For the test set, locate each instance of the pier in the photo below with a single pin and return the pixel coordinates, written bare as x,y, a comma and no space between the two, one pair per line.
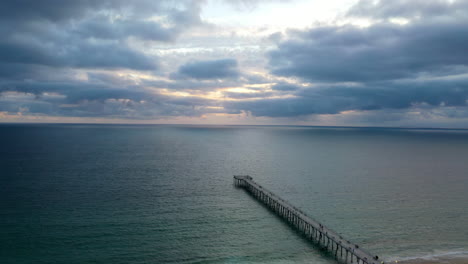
341,249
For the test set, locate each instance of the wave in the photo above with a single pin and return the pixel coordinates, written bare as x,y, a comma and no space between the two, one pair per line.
461,256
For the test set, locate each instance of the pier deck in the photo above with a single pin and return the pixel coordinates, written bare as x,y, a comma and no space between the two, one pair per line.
342,249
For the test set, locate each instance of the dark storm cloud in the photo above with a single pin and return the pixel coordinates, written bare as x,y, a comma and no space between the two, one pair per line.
209,69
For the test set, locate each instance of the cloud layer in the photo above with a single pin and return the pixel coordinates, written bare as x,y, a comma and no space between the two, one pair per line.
209,69
164,59
386,65
382,51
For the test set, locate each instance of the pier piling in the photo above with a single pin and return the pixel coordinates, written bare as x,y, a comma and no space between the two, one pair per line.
321,235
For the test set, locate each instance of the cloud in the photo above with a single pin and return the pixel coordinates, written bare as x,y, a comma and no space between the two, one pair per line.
53,10
90,34
414,9
208,69
59,11
75,91
335,99
236,95
84,99
20,71
80,54
243,5
175,22
191,84
285,87
385,66
105,28
116,58
380,52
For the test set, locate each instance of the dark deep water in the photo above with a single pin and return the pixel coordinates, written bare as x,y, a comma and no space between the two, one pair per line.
164,194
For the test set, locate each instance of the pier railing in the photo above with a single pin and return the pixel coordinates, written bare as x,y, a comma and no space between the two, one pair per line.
343,250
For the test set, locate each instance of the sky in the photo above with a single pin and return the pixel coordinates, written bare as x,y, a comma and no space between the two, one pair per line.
399,63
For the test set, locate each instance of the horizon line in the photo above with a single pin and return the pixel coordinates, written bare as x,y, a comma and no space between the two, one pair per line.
230,125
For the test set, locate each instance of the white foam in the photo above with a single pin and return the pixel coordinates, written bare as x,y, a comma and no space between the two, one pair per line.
435,256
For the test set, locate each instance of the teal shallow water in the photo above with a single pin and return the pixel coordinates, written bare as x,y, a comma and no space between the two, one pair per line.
164,194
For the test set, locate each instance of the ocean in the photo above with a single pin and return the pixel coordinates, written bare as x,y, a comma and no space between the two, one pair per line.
165,194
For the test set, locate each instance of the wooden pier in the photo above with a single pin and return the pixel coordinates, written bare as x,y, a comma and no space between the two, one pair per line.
343,250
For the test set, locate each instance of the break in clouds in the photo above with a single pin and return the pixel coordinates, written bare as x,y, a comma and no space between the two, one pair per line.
380,62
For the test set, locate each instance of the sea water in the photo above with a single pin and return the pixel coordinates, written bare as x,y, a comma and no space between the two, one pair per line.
164,194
